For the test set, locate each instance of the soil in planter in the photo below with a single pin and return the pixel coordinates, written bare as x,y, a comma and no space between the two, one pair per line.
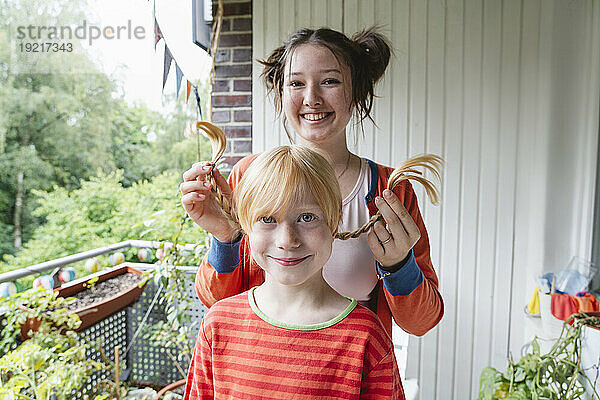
104,290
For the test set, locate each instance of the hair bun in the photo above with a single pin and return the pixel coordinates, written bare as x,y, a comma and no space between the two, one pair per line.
376,49
271,66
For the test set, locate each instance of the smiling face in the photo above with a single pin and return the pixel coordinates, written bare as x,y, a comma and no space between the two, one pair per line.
292,247
289,204
317,94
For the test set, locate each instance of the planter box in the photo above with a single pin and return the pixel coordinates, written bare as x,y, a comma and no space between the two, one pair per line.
93,313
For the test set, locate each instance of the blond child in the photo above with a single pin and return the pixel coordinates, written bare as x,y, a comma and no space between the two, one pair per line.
293,336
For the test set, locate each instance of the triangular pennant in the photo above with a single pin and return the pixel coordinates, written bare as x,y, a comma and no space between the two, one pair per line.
167,65
157,33
178,75
188,90
198,101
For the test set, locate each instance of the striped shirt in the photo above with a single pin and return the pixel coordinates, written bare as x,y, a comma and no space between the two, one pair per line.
243,354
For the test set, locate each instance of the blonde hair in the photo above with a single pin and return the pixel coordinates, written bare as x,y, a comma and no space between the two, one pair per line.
406,171
307,172
284,175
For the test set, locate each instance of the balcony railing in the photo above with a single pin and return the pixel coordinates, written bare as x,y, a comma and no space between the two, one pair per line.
61,262
142,361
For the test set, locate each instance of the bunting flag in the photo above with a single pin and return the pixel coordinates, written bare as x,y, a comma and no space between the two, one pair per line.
198,101
178,75
168,60
157,33
167,65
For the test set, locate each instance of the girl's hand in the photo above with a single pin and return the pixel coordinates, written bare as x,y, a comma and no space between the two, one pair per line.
199,203
391,241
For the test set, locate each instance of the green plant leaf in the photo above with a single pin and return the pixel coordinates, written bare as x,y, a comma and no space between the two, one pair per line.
520,395
487,383
519,375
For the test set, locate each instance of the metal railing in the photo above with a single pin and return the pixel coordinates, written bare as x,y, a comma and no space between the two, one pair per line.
144,362
61,262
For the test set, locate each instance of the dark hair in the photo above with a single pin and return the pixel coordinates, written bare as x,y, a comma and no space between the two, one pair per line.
367,55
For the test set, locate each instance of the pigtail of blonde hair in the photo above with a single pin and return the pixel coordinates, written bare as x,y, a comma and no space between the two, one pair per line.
406,171
218,143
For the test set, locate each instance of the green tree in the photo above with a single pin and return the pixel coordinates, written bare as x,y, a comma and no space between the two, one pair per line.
60,128
130,147
147,143
173,150
52,130
103,212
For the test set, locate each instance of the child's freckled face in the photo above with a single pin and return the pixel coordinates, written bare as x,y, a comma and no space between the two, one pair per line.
292,248
317,94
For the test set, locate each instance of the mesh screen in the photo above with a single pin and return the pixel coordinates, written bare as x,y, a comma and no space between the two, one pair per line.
106,334
156,364
145,362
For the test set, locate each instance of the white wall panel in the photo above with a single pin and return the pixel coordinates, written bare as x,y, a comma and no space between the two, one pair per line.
507,91
507,170
450,238
529,209
434,142
482,27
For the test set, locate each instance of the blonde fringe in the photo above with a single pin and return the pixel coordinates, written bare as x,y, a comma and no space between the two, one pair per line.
406,171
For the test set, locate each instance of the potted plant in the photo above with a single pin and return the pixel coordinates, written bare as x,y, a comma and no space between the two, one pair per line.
52,363
25,311
104,293
590,350
555,375
95,297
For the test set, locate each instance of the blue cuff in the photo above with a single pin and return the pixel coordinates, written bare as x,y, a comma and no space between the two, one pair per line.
405,280
224,257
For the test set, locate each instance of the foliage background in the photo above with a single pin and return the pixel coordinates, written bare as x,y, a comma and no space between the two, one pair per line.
79,166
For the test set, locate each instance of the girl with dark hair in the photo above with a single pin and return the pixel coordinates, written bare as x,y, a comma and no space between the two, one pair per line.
320,79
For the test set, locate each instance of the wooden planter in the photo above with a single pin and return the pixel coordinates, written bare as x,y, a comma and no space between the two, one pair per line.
93,313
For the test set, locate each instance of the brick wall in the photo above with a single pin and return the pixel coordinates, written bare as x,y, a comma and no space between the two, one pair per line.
232,90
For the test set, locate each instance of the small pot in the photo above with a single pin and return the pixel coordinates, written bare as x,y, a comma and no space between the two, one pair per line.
169,387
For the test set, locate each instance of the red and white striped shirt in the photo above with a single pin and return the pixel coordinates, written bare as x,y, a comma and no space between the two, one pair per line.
242,354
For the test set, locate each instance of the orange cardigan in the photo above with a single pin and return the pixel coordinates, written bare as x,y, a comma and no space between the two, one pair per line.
416,312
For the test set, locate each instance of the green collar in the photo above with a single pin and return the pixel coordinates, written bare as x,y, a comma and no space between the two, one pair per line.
310,327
